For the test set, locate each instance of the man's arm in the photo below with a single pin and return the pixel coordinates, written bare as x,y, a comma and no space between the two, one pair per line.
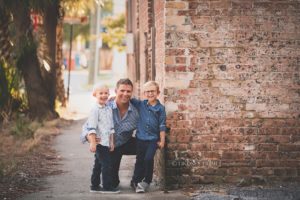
84,133
135,102
111,142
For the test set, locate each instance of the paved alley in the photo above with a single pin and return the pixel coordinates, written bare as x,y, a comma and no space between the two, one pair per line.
77,164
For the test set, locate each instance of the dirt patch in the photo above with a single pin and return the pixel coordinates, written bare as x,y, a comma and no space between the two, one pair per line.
25,162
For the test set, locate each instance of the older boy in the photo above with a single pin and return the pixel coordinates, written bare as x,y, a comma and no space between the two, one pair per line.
150,135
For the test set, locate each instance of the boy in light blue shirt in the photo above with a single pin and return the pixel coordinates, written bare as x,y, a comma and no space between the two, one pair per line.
100,129
150,135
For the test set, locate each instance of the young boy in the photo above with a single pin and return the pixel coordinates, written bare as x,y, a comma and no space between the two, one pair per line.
101,138
150,135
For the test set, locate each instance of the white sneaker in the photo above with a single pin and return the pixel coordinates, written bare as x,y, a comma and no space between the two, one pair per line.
143,185
139,189
111,191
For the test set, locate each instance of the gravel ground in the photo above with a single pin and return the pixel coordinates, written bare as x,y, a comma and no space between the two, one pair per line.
284,191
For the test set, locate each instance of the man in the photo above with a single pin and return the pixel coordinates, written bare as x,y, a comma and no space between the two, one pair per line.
125,117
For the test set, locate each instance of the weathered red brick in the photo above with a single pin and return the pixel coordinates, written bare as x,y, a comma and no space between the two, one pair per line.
200,147
289,147
183,138
268,163
237,101
267,147
233,155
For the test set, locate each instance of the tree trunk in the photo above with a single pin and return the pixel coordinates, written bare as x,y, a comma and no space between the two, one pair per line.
41,105
50,24
60,88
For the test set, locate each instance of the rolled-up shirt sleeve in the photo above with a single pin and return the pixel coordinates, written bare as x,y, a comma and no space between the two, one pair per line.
84,133
92,122
162,119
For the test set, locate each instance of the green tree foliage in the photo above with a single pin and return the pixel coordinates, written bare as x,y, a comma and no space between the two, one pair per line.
81,8
21,50
12,92
115,32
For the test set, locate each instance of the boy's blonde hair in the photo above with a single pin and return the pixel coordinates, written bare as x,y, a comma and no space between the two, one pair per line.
98,86
151,83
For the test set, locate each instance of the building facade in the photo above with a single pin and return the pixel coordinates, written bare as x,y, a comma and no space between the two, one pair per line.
229,75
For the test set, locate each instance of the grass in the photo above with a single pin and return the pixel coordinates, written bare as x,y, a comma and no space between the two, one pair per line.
24,128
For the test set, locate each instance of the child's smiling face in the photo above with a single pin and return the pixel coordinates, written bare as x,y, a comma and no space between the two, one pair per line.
151,93
101,95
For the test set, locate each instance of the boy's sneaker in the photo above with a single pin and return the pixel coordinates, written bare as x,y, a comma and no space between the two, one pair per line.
110,191
95,189
139,189
142,187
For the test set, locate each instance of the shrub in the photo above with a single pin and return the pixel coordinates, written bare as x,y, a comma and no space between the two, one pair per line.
23,127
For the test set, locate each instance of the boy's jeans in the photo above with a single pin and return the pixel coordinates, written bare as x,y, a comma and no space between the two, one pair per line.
95,178
103,160
145,151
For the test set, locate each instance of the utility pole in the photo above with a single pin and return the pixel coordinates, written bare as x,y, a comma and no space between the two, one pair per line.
92,47
98,40
95,45
72,21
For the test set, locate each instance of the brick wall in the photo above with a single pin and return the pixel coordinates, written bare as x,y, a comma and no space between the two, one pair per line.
160,42
159,17
145,24
232,90
143,29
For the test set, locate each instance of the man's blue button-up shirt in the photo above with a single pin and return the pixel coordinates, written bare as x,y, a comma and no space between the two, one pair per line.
123,127
152,119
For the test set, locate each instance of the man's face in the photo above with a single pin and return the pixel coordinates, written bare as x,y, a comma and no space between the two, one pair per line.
123,93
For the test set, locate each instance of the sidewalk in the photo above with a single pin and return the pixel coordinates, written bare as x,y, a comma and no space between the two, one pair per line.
77,164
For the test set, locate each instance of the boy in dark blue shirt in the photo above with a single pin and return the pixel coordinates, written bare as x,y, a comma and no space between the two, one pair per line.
150,135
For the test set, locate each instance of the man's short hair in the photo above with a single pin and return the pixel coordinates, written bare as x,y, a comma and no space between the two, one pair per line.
124,81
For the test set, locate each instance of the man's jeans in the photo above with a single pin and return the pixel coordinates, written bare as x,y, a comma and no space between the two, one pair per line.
145,152
129,148
103,163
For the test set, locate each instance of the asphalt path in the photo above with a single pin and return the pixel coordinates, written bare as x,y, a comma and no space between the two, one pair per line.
76,163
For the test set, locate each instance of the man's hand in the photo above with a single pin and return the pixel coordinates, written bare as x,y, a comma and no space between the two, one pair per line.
111,98
93,147
111,147
98,140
